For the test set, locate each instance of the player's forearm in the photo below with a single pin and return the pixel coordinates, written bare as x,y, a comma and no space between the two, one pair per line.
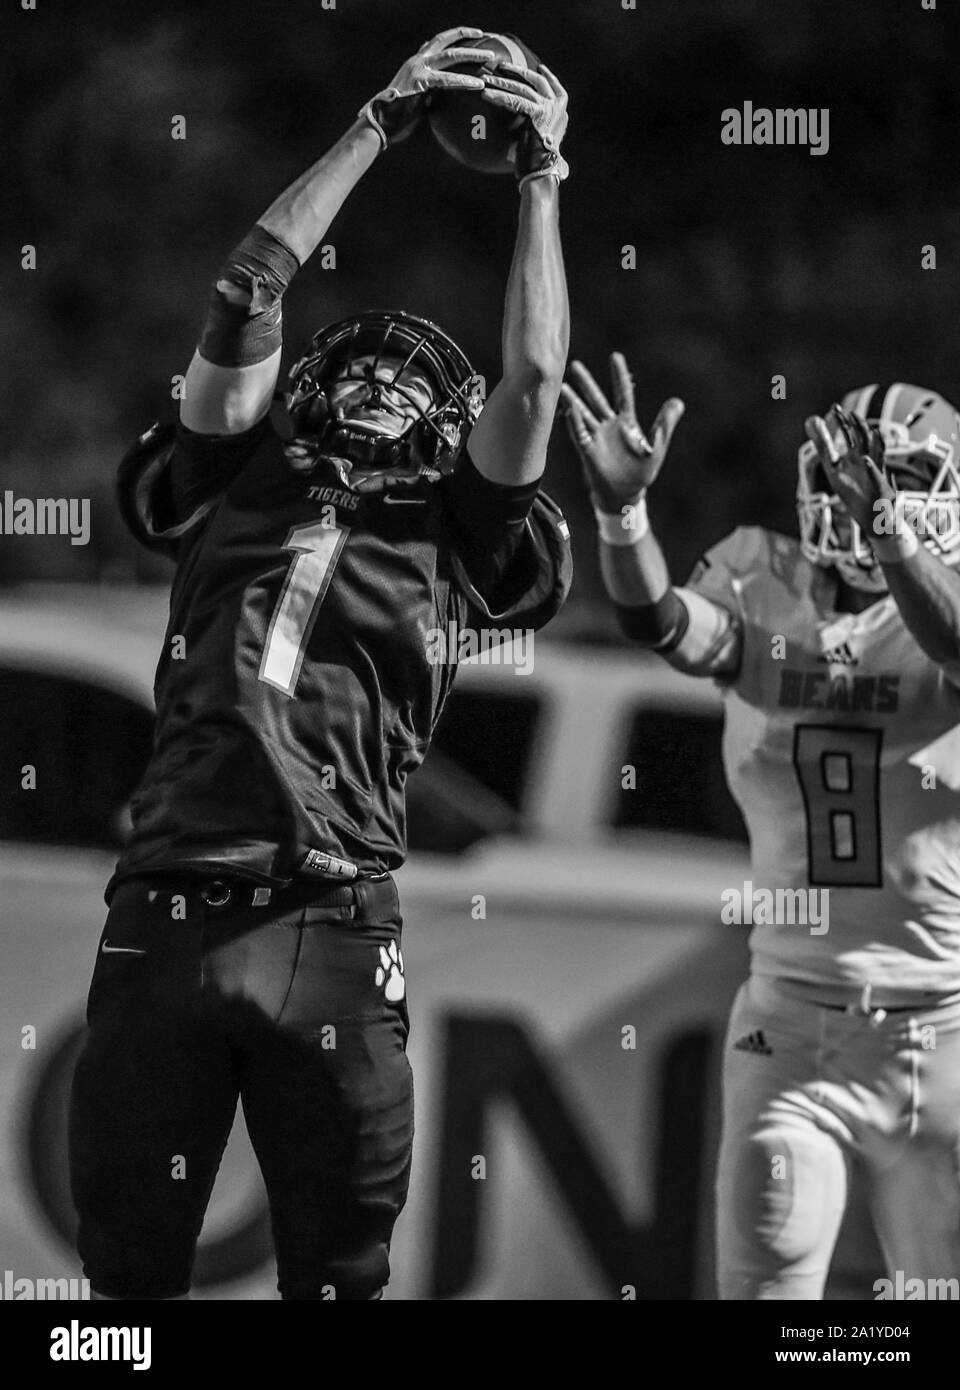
509,442
637,579
536,322
692,633
302,214
927,593
636,573
230,381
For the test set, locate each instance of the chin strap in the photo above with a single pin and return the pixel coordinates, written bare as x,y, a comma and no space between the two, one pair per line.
363,450
364,464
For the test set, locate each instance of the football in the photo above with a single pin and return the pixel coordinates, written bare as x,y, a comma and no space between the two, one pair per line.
473,132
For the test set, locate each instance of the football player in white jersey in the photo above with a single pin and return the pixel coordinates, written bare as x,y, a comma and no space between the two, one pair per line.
839,659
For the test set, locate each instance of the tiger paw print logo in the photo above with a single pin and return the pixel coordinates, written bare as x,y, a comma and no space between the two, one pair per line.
390,973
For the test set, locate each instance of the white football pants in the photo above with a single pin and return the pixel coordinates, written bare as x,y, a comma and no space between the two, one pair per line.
808,1092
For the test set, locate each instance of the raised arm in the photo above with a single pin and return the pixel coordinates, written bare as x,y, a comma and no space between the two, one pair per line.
508,444
690,631
231,379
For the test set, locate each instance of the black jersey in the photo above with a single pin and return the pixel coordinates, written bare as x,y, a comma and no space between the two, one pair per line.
299,683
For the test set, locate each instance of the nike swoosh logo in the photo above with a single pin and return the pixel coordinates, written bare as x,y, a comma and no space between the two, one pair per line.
108,950
405,501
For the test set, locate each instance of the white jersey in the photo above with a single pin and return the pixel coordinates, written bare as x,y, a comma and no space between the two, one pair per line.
842,747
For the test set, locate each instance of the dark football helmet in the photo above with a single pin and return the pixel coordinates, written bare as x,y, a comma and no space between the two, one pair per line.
431,444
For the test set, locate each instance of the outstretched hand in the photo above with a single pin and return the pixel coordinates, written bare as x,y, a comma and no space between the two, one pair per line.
619,461
851,452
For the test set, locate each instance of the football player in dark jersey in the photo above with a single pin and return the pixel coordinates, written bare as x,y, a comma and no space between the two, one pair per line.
252,944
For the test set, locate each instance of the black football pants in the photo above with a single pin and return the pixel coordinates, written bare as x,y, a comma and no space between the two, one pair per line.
289,1008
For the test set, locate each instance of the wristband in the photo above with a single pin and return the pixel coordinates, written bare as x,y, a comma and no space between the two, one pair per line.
551,172
538,155
367,113
615,528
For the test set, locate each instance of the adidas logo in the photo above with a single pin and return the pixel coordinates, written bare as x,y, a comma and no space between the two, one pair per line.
839,656
754,1042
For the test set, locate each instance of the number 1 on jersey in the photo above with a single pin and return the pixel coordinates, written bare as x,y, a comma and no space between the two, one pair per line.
316,550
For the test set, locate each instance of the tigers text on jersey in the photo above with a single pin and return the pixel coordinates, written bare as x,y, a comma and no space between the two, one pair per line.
842,747
296,691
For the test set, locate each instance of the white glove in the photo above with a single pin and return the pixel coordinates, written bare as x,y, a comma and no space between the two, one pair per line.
540,97
398,109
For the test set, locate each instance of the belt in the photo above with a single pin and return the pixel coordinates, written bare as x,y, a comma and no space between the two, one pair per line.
224,894
863,1008
857,1011
857,1001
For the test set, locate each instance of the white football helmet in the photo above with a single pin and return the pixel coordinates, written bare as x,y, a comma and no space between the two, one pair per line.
921,452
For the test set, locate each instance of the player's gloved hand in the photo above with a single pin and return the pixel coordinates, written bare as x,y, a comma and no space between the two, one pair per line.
399,108
540,97
619,461
851,451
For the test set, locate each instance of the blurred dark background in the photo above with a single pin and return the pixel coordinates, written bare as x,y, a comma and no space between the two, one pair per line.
750,261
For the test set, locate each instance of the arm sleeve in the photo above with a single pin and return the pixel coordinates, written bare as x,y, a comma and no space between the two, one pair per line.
724,577
172,479
659,626
663,625
510,547
238,334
